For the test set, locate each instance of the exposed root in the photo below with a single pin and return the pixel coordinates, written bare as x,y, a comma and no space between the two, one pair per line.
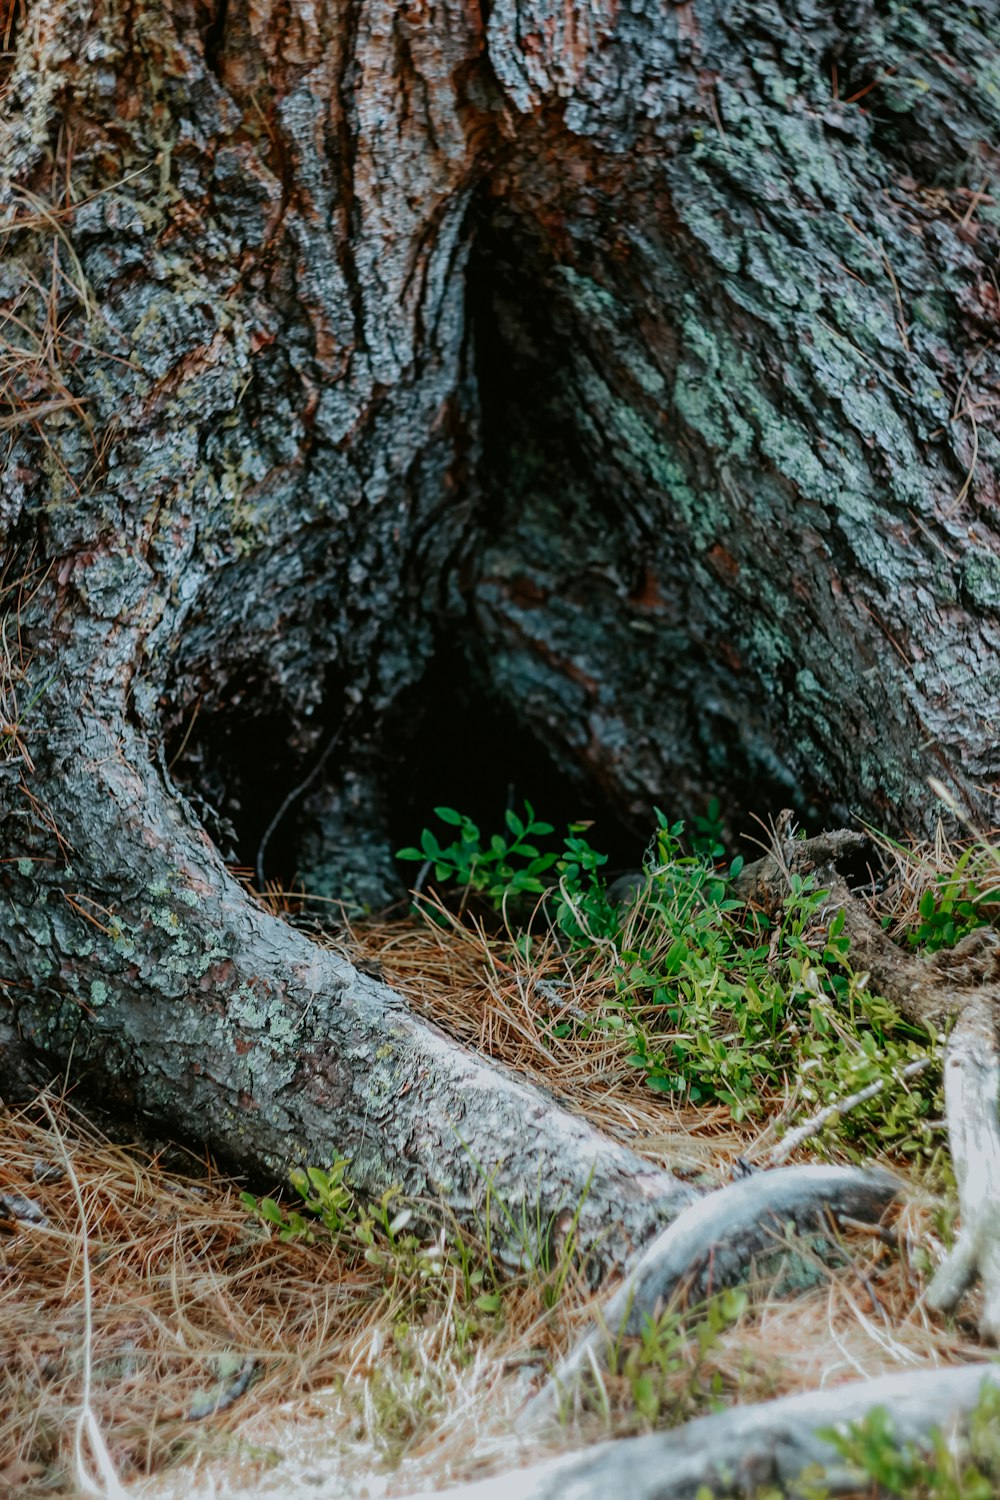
749,1446
712,1245
971,1083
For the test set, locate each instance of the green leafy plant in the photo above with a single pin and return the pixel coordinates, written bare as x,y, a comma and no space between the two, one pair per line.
326,1198
944,1470
510,866
951,909
725,1004
717,1002
706,837
383,1233
665,1365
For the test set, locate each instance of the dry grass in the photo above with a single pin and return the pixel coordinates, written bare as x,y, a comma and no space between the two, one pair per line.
180,1279
356,1375
352,1378
921,866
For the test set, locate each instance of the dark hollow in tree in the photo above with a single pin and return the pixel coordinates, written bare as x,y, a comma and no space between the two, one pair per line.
638,363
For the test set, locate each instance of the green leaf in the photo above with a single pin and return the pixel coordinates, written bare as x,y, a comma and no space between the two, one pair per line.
644,1395
661,1085
449,815
409,854
514,822
488,1302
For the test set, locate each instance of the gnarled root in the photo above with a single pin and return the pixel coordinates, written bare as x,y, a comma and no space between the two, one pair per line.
739,1450
712,1245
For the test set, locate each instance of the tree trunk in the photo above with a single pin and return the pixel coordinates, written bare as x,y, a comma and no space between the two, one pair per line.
364,365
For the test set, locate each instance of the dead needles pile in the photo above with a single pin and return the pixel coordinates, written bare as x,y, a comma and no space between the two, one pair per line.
152,1289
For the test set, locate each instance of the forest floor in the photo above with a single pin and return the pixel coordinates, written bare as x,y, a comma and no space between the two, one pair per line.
161,1332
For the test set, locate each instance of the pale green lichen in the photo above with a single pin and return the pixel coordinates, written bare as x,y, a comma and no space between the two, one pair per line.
121,941
981,577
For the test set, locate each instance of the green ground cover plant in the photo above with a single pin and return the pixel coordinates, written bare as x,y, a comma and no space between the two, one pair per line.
883,1466
718,1002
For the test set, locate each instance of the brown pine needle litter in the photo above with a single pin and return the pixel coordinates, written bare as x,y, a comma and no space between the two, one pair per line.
157,1340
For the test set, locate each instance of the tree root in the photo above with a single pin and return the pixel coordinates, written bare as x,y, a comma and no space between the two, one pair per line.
971,1082
749,1446
712,1245
185,1000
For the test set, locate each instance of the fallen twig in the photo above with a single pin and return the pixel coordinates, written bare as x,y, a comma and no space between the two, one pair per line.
780,1153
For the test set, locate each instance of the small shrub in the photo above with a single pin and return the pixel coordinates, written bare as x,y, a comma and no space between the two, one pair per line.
382,1232
665,1365
948,914
506,865
511,866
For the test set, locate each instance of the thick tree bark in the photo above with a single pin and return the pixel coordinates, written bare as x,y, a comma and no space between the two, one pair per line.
644,355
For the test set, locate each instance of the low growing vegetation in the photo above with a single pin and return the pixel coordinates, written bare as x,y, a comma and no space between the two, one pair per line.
968,1469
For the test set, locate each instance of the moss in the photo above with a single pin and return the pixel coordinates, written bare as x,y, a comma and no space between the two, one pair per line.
252,1010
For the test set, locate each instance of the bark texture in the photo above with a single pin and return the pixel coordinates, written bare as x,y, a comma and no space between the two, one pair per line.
641,357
